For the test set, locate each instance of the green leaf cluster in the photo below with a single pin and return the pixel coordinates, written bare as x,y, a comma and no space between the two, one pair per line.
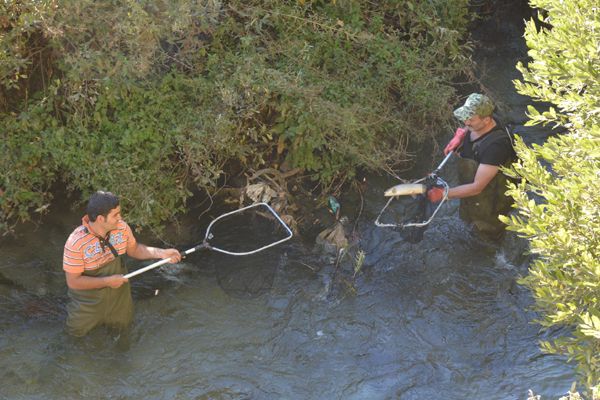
558,197
156,99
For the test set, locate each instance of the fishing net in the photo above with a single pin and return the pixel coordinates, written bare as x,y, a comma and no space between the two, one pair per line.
242,232
411,214
246,231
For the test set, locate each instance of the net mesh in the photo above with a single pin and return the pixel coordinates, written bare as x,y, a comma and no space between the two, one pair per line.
405,210
251,275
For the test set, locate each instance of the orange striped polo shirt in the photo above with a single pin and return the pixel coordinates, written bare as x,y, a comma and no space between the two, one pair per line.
84,252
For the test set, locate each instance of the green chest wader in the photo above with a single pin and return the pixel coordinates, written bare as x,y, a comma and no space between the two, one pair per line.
107,306
483,210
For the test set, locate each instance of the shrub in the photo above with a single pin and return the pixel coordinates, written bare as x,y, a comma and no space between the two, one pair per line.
564,227
155,99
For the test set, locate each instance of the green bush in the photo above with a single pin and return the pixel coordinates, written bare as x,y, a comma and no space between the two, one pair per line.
155,99
564,227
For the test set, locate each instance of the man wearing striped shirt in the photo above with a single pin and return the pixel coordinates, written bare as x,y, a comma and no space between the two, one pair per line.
98,291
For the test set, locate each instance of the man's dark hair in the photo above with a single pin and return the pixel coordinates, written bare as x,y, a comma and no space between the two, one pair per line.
101,203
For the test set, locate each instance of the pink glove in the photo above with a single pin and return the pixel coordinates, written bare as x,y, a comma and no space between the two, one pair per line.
459,135
435,194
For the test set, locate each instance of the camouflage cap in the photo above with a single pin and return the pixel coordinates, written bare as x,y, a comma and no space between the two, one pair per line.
476,104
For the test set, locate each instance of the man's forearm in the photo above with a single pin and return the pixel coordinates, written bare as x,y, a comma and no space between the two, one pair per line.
462,191
143,252
82,282
484,175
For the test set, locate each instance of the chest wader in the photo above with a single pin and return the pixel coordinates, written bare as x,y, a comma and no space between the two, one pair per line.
482,210
106,306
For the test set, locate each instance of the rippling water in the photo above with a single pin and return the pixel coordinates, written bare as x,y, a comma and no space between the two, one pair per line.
443,318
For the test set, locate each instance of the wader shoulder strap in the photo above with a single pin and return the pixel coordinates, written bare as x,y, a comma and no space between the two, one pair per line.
104,242
111,247
510,135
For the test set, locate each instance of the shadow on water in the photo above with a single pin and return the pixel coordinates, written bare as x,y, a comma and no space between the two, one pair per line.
442,318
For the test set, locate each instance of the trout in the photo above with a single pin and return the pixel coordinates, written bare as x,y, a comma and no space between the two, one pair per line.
405,189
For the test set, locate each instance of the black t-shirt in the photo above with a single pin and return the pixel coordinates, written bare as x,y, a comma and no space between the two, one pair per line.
493,148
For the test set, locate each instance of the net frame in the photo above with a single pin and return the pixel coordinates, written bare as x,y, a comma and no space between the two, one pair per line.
208,235
430,180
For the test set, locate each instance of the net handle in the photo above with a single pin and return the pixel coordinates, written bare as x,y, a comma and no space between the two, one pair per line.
161,262
208,236
444,161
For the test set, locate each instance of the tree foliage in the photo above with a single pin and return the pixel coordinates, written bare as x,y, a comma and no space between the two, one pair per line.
564,226
155,99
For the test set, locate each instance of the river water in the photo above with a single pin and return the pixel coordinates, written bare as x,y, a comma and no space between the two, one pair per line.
443,318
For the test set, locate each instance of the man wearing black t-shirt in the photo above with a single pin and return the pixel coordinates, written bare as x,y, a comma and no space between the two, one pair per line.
483,146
